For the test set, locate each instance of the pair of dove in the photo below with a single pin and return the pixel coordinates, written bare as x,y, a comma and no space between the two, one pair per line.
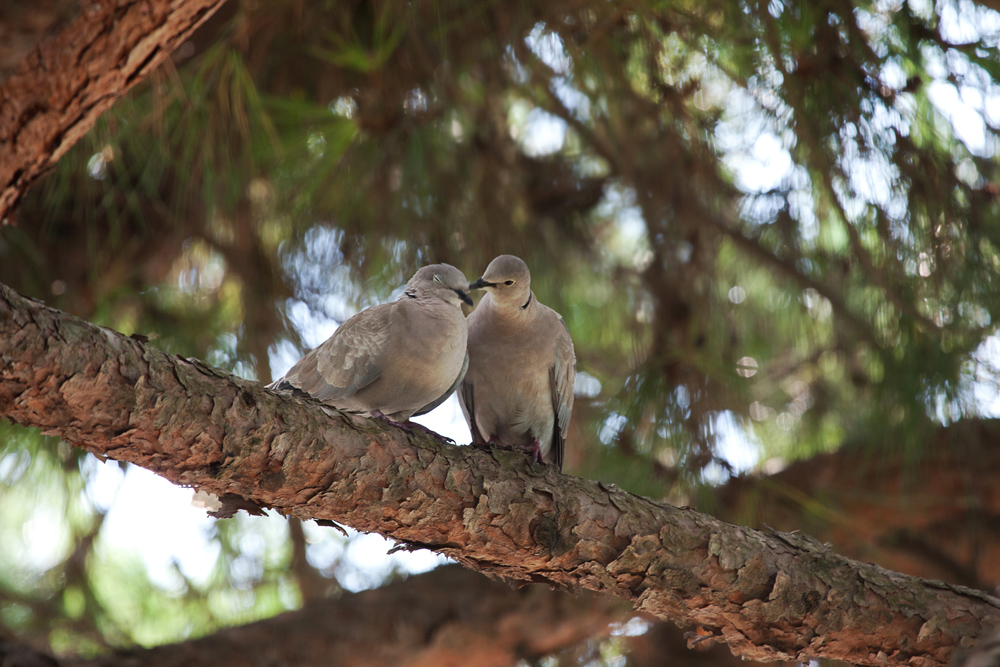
511,361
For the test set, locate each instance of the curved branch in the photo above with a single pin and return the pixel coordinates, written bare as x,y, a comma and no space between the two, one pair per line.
769,596
59,89
448,616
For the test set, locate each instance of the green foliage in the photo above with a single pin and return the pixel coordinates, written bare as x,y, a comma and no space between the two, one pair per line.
61,579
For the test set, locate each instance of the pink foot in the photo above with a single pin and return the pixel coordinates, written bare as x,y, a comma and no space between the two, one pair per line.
406,426
534,450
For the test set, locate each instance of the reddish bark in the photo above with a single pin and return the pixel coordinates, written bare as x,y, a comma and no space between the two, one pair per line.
767,595
934,515
60,88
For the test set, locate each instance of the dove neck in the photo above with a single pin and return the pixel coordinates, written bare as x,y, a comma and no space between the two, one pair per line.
514,312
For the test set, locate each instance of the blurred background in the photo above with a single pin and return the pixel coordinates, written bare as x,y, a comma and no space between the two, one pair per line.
771,227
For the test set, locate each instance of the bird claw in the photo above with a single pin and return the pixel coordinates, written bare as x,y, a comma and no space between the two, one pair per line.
534,450
406,426
409,426
450,441
432,432
500,445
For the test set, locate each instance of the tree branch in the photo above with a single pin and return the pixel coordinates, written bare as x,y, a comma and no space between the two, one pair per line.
446,617
59,89
928,515
769,596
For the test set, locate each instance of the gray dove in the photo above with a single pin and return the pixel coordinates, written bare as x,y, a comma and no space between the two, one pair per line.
518,391
395,360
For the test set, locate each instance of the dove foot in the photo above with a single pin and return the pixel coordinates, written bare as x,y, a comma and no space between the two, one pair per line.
490,444
534,450
431,431
405,425
500,445
408,426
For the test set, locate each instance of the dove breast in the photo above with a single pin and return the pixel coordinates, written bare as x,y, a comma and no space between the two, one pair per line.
518,391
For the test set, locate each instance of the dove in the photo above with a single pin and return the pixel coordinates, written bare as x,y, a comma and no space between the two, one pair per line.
518,391
395,360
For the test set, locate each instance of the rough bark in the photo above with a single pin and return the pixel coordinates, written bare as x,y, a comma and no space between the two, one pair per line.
768,595
58,90
447,617
935,515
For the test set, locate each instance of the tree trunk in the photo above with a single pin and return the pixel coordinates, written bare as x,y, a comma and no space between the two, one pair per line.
768,595
58,90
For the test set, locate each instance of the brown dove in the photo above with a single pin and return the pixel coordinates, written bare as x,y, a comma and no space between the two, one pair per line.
518,391
395,360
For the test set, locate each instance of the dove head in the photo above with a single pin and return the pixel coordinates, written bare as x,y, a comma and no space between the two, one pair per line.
439,281
507,278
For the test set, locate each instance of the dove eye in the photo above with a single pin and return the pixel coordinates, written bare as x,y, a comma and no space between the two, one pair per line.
508,282
438,280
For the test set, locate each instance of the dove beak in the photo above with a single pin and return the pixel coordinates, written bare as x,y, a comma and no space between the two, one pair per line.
463,296
481,284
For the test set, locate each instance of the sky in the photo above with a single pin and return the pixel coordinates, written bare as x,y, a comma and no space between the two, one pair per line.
180,535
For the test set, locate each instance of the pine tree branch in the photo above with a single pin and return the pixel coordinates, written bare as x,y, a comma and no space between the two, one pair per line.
60,88
768,595
446,617
933,514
